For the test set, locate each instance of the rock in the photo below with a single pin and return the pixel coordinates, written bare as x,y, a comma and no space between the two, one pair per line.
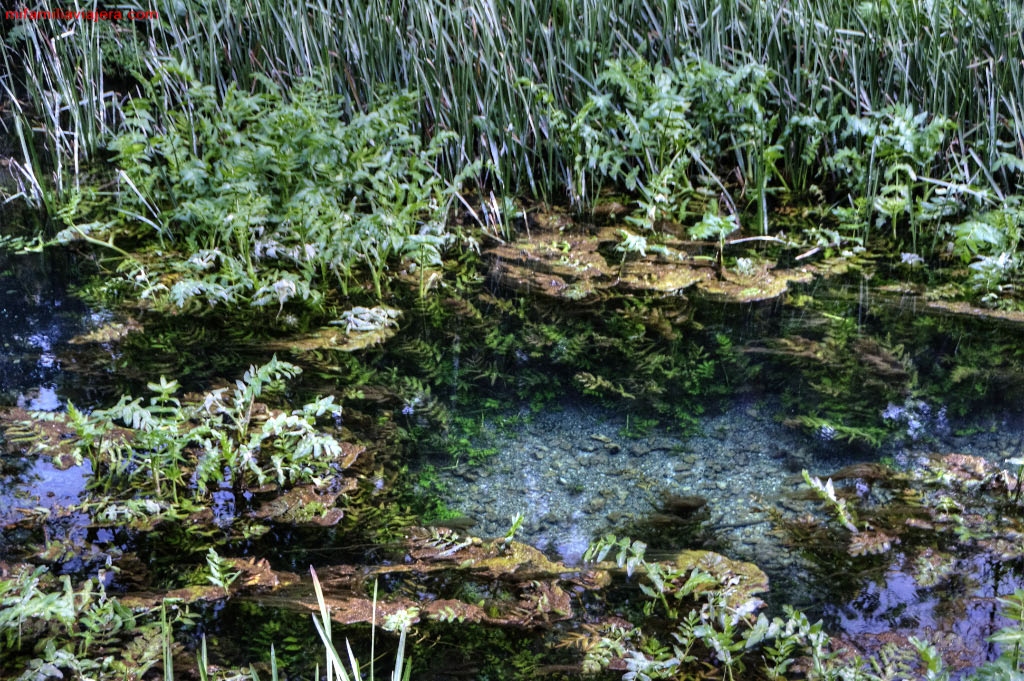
683,506
639,450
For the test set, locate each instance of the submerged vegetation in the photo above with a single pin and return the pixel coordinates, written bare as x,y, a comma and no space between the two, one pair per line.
437,213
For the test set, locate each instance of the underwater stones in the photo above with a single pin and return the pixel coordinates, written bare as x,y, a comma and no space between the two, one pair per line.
551,519
639,449
683,506
467,474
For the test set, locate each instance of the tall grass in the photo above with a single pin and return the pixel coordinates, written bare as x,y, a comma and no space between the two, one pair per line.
61,110
472,63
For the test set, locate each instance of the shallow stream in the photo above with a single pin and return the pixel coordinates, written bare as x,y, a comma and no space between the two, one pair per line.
576,470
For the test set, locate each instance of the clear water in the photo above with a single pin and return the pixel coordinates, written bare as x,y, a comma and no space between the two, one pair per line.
576,471
559,471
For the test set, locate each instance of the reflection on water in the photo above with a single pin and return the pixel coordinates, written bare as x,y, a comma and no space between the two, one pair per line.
959,615
37,318
29,485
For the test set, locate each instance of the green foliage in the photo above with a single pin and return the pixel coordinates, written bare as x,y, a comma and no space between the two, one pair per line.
990,242
893,155
428,492
221,574
272,198
704,628
401,622
666,134
83,631
701,630
165,448
827,493
1010,639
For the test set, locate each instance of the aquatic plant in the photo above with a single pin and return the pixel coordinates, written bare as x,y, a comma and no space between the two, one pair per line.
334,665
221,573
826,491
173,450
838,386
711,623
52,628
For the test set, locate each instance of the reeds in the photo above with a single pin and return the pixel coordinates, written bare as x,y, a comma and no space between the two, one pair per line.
61,110
473,64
